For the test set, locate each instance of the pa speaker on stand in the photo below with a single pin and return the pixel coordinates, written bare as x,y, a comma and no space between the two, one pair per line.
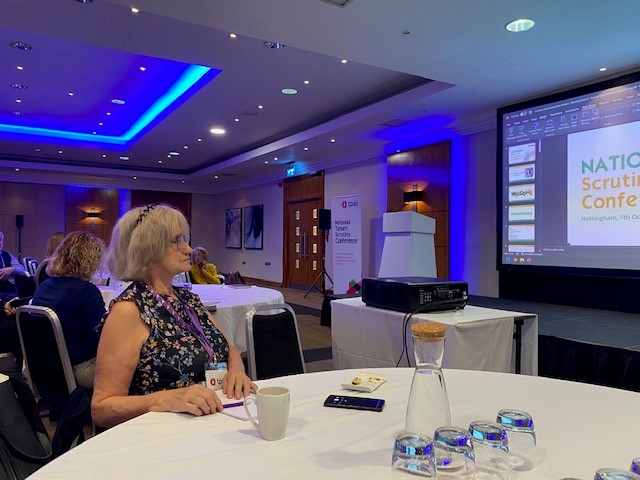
324,222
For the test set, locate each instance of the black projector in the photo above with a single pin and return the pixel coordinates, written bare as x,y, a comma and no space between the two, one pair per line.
408,294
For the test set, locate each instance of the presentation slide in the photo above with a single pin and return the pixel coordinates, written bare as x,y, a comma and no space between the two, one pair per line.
570,178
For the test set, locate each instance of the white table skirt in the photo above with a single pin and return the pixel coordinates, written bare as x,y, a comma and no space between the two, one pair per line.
580,428
232,305
476,338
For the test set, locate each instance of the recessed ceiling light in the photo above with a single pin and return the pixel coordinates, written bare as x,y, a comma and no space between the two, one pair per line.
108,113
37,149
135,178
520,25
266,162
333,140
19,86
118,101
306,149
344,60
20,67
186,147
306,82
17,113
59,151
142,69
174,154
512,64
275,45
603,69
183,181
159,161
18,100
275,158
406,32
397,151
100,123
260,107
236,119
21,46
168,156
289,91
134,10
84,1
71,94
218,131
215,176
123,158
199,139
94,133
104,155
232,35
17,169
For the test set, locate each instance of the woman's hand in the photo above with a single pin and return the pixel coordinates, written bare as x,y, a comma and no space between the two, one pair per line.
8,309
195,399
237,384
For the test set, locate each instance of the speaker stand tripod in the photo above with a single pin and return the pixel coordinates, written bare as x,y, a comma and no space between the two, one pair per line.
321,275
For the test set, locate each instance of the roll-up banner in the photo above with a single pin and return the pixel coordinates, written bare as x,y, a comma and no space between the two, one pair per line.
346,234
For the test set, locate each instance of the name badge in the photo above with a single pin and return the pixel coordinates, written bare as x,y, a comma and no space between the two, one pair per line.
214,375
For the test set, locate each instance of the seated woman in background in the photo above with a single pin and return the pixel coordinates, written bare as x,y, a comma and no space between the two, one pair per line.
202,271
157,339
77,302
54,241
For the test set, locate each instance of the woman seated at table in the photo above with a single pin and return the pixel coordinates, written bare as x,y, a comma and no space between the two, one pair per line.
158,339
202,271
77,302
52,244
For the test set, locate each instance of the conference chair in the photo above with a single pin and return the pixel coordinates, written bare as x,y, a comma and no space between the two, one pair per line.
273,342
25,262
183,277
25,285
49,372
32,267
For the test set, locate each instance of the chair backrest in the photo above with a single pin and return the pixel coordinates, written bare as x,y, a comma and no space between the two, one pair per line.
45,351
273,342
32,267
25,285
25,262
182,278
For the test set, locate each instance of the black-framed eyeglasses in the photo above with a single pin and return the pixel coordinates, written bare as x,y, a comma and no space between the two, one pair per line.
181,240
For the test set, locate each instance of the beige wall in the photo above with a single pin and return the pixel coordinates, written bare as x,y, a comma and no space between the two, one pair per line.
43,209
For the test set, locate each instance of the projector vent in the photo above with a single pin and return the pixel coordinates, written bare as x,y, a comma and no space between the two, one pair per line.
249,113
338,3
396,122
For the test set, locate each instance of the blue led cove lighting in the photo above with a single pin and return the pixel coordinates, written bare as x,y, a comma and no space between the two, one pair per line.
188,79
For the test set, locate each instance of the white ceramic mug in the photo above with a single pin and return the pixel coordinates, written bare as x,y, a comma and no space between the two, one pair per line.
273,411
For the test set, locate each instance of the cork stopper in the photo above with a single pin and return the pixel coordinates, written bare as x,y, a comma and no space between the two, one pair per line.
428,331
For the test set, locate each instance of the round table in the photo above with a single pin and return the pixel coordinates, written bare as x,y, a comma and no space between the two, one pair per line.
231,305
580,428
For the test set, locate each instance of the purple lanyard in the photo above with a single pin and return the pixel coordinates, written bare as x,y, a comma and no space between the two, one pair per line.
195,327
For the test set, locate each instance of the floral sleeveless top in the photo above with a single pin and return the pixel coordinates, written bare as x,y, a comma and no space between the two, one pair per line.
172,356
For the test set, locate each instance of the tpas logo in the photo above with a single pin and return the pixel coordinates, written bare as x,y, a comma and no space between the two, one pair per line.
346,204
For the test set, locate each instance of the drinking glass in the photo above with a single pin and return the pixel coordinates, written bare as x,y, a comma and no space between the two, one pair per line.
615,474
413,453
454,453
522,438
491,449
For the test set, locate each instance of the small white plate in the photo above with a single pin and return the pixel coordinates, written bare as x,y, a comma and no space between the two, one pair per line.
365,382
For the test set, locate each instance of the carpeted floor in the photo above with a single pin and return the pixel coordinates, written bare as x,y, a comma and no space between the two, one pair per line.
315,339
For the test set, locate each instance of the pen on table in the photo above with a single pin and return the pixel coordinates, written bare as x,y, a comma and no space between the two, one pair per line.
236,404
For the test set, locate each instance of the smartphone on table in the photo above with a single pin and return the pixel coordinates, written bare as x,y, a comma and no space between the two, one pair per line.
355,403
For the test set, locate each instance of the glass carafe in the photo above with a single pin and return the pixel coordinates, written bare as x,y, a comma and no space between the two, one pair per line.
428,406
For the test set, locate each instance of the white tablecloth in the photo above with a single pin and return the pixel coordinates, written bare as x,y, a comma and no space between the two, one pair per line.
476,339
232,305
580,428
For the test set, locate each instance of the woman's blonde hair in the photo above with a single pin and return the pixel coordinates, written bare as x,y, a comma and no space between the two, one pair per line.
54,241
205,254
78,255
141,238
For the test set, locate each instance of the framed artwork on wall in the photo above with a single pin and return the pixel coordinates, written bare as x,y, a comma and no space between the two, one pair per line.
252,223
233,228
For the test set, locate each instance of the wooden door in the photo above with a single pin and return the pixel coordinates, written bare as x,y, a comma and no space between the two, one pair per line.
305,243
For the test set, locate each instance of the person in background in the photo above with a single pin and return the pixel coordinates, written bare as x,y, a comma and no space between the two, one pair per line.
9,266
158,339
54,241
77,302
202,271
